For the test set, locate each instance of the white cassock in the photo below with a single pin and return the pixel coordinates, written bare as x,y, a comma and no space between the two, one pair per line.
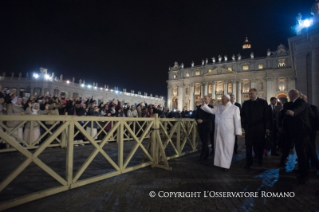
227,126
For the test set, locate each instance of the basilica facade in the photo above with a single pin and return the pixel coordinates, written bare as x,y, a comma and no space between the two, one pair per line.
272,75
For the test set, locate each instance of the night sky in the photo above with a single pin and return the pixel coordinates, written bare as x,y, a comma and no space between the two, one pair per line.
130,44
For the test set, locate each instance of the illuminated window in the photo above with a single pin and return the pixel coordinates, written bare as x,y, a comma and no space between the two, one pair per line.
175,75
197,73
260,66
187,74
197,97
245,67
281,63
210,70
230,69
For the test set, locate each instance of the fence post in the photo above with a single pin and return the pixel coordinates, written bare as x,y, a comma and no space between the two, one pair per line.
178,139
120,143
194,135
70,153
154,148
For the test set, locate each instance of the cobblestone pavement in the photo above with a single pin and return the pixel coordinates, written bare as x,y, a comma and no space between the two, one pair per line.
131,191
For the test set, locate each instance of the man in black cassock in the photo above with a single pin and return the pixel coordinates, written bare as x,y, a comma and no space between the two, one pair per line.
232,101
204,125
256,121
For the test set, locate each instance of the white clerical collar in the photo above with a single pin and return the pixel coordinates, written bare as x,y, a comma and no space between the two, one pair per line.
295,99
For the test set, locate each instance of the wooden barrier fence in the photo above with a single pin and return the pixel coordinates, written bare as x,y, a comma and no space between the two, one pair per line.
159,134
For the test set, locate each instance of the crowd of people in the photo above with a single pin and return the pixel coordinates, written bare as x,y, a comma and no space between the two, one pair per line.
269,128
19,105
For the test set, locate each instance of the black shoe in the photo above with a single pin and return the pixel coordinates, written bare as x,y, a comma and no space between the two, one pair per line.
275,154
226,170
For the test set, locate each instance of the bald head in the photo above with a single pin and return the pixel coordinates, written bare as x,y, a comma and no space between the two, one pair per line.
293,94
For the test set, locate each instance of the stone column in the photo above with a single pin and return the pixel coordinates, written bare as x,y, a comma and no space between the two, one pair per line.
238,97
180,97
191,97
205,88
225,87
234,88
169,97
269,87
213,90
202,90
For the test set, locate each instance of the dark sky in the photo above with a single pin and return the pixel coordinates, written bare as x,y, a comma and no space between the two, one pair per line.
130,44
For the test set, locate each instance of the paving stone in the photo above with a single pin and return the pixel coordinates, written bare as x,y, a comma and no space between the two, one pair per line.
130,191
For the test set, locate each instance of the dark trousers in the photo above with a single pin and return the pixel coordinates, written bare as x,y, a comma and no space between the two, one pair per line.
286,145
236,145
212,133
204,134
304,150
256,142
274,140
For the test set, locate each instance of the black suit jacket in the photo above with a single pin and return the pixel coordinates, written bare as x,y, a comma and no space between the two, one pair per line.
206,117
298,126
273,116
255,120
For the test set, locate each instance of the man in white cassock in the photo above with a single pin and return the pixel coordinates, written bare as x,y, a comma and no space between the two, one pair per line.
227,126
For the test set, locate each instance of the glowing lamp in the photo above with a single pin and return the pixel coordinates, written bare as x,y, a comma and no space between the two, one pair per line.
36,75
89,86
46,76
116,91
67,81
307,23
82,85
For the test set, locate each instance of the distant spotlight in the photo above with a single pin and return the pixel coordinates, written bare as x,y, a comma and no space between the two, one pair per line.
106,89
68,81
35,75
307,23
82,85
116,91
46,76
89,86
101,88
111,90
95,87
